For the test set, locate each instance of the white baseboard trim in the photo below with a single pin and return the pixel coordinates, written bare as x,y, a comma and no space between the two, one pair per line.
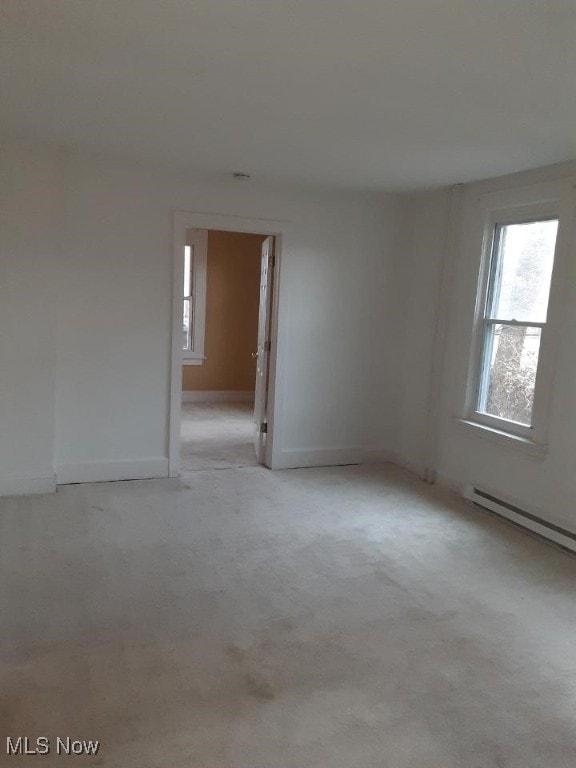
378,456
452,484
216,396
19,486
415,467
328,457
107,471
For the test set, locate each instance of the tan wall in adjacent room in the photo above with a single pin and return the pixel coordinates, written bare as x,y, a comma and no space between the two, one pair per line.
232,302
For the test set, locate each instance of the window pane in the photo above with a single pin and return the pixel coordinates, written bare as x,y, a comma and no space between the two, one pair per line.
187,270
522,270
510,363
186,325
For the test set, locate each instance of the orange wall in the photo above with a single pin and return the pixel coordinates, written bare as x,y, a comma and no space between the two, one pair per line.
232,301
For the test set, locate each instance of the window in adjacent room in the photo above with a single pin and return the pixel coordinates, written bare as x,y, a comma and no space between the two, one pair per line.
194,298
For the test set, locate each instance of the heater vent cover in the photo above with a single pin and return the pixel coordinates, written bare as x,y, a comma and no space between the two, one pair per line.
520,517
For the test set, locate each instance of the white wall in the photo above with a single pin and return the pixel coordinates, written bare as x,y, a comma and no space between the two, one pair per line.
85,297
30,219
424,233
544,485
101,228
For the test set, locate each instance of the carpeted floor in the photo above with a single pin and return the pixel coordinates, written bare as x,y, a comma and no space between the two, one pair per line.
325,618
216,436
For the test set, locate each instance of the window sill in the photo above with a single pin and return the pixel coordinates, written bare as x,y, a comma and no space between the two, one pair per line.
193,360
505,439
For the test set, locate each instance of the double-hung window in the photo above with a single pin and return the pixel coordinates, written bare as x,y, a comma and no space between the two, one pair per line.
194,298
512,322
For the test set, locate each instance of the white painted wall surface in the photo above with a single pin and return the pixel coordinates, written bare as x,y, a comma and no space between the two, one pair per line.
30,219
101,386
545,486
419,277
85,297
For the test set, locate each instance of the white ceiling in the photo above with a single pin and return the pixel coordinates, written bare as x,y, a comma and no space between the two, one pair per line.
374,94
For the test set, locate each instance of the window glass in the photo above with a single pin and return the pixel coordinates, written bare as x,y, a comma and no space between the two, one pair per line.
522,271
186,325
510,364
187,271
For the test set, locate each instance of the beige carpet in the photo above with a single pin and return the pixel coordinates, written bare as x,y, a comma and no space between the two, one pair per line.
330,618
216,436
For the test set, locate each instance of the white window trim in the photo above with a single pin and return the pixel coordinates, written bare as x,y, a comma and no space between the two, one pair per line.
193,360
505,439
197,239
507,207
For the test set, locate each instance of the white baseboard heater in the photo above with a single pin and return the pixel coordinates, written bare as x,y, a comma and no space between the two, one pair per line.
553,533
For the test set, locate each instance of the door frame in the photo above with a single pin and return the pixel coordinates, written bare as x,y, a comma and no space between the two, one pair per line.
183,220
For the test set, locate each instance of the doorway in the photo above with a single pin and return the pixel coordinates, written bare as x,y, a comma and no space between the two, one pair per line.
224,343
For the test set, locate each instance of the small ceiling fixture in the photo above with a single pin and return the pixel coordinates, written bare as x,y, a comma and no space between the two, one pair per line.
241,176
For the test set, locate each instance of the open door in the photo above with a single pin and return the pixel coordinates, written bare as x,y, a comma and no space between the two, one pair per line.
263,352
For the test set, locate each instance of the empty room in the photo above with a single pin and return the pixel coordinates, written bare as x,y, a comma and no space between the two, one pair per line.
287,362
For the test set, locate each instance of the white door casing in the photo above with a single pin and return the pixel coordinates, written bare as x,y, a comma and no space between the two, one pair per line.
263,350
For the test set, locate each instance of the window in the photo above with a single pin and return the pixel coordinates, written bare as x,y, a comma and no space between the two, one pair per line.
512,326
188,301
194,297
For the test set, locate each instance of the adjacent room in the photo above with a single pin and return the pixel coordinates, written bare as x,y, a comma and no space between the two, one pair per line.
287,370
219,349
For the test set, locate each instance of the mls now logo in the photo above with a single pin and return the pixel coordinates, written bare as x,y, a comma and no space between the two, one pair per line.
23,745
68,746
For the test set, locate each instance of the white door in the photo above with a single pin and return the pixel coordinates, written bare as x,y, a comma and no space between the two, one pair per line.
263,352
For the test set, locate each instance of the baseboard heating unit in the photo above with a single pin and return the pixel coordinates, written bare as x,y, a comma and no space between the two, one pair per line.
549,531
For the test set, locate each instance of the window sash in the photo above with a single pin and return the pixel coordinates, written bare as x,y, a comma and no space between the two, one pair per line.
189,331
496,267
188,276
486,371
514,323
